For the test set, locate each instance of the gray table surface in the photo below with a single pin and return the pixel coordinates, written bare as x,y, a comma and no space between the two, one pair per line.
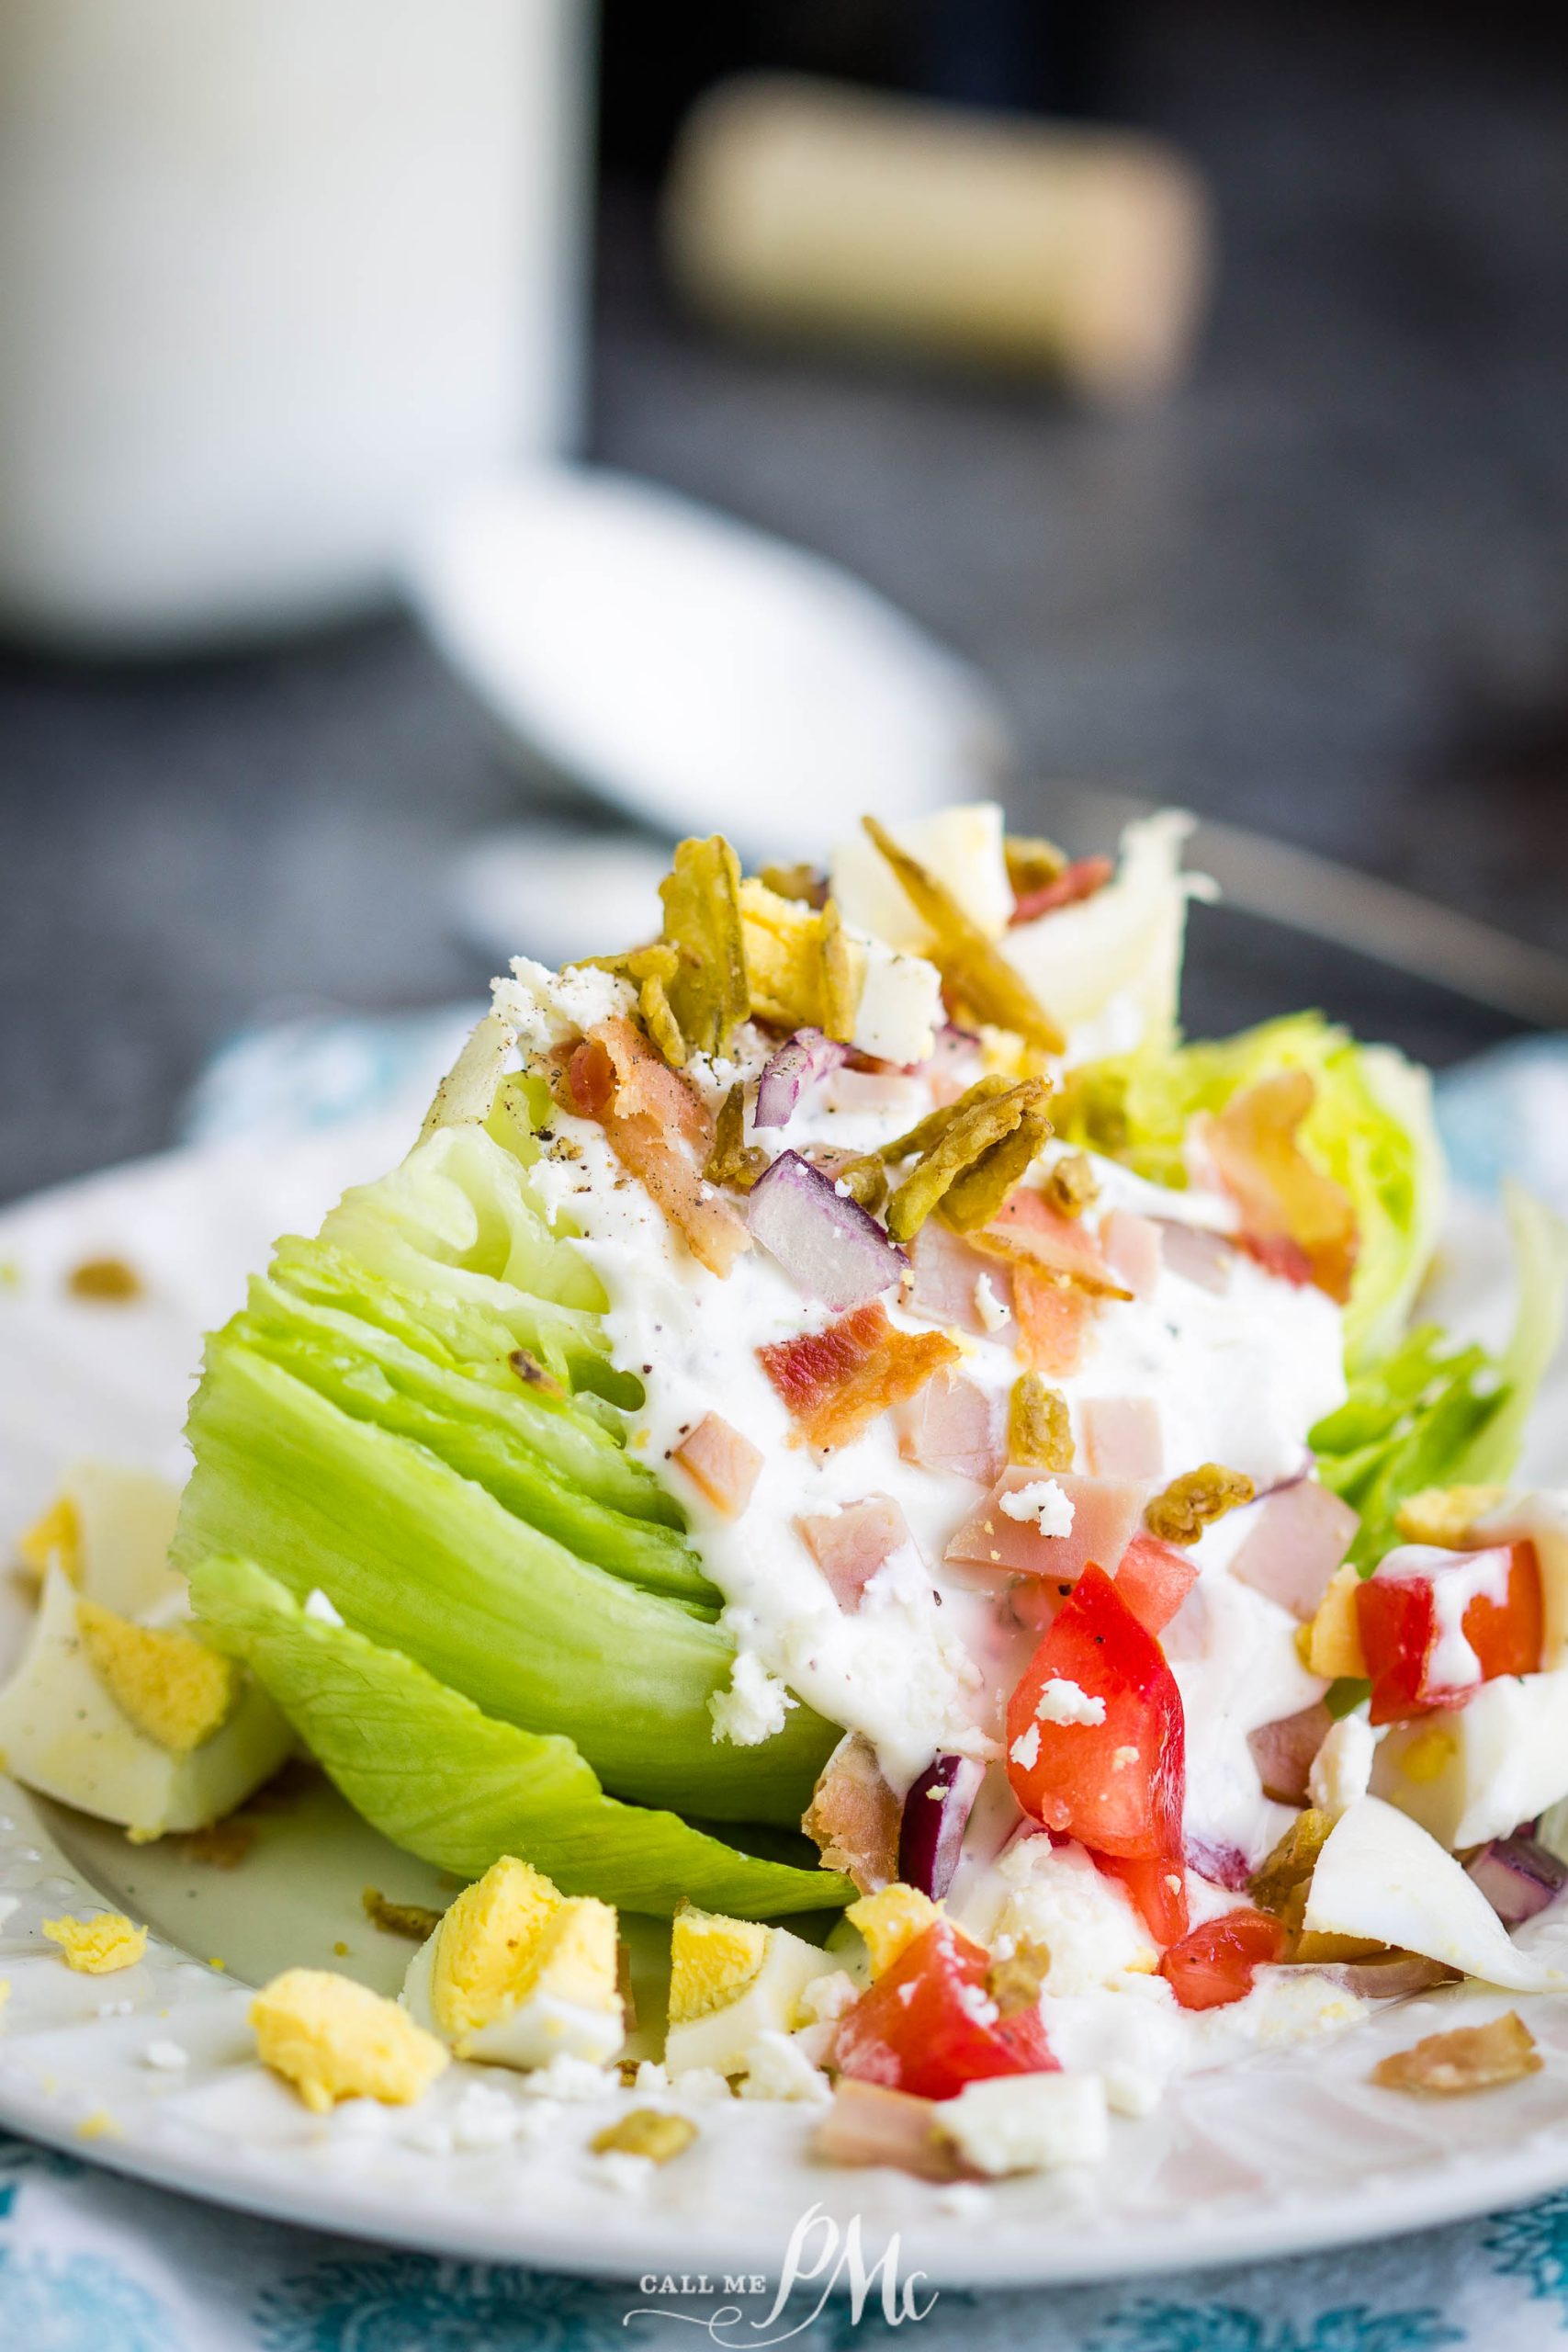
1323,592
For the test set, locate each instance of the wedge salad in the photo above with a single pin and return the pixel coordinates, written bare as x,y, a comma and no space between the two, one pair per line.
847,1432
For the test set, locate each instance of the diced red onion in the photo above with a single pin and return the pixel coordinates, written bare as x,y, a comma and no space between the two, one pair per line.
1222,1865
1283,1751
800,1061
827,1243
1518,1876
935,1813
1297,1537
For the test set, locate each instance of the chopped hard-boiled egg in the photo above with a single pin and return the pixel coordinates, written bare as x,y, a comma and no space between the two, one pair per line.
962,846
98,1946
1341,1771
890,1921
110,1529
518,1974
730,1982
1474,1772
1381,1878
333,2039
1028,2122
149,1729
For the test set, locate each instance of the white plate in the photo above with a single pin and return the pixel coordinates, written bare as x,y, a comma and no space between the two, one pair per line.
1292,2150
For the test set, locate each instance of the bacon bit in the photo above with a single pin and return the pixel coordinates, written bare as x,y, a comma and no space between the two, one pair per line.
1132,1249
849,1545
616,1077
721,1463
1105,1520
1194,1501
868,2124
1300,1534
837,1381
947,1272
1053,1321
1471,2058
1283,1751
1295,1216
1122,1437
1026,1228
1076,882
531,1373
953,1425
854,1817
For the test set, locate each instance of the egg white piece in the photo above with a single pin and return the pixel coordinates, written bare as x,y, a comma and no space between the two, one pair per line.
1381,1876
725,2038
63,1733
545,2025
1478,1772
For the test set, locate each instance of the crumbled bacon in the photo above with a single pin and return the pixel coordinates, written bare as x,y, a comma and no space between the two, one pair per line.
1122,1437
855,1817
1032,1229
1105,1520
722,1463
1283,1751
1058,1271
953,1425
851,1544
837,1381
1075,882
1292,1214
1053,1321
660,1132
1471,2058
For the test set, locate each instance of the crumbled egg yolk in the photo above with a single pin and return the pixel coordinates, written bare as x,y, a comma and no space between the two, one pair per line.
1331,1643
333,2039
1445,1515
96,1947
514,1933
890,1921
172,1687
711,1961
54,1538
1427,1758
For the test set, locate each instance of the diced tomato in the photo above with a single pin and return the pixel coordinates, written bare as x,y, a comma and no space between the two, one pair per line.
1159,1890
929,2026
1154,1579
1117,1785
837,1381
1399,1615
1213,1965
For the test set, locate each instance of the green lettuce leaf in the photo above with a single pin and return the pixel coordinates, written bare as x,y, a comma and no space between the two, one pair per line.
1431,1414
1369,1127
436,1775
422,1558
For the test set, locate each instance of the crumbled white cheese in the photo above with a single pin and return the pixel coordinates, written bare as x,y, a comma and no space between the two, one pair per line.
1131,2090
899,1009
700,2086
568,2078
1063,1701
965,2198
776,2067
753,1707
1025,1748
545,1008
318,1606
652,2076
827,1998
1041,1503
619,2170
485,2118
1084,1919
992,1310
169,2057
1029,2123
1342,1768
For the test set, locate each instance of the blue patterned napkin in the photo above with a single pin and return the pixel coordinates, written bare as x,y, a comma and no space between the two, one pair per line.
92,2263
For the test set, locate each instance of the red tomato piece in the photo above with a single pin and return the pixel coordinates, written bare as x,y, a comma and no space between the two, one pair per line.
1154,1579
923,2027
1212,1966
1399,1617
1159,1890
1118,1785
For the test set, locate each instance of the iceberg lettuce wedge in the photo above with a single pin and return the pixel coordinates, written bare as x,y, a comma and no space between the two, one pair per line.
426,1561
430,1772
